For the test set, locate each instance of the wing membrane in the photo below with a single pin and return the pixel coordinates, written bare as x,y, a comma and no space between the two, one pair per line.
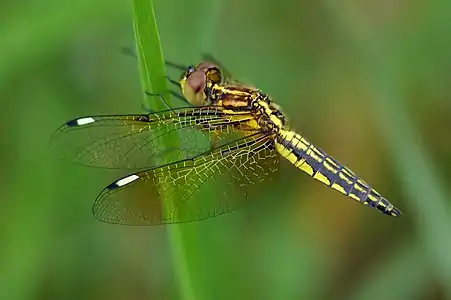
209,57
136,141
205,186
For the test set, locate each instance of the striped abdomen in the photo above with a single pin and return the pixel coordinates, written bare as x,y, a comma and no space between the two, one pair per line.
312,160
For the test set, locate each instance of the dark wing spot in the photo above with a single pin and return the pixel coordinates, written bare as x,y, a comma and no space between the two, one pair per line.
72,123
112,186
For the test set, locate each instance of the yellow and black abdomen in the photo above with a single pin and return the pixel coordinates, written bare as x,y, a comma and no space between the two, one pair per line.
315,162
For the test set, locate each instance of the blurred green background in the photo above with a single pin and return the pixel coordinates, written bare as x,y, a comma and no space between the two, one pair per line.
367,81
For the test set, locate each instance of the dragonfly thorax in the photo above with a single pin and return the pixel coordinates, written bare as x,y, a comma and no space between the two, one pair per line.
270,114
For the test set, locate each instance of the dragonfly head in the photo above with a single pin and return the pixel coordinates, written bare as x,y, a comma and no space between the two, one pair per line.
197,80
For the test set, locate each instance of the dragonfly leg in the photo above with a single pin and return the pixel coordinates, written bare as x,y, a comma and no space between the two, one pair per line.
159,95
178,96
156,95
175,94
176,66
174,82
128,51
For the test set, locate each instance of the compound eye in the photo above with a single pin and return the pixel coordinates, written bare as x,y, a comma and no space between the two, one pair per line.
197,81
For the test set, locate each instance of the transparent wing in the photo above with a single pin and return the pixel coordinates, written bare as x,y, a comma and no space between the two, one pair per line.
205,186
209,57
140,141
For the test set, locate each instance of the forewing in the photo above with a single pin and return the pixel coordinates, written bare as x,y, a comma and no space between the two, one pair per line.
210,58
141,141
205,186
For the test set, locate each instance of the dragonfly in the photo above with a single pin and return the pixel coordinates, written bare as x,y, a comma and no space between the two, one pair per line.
199,161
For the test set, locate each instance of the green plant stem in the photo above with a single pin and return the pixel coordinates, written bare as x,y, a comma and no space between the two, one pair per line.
153,78
150,54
